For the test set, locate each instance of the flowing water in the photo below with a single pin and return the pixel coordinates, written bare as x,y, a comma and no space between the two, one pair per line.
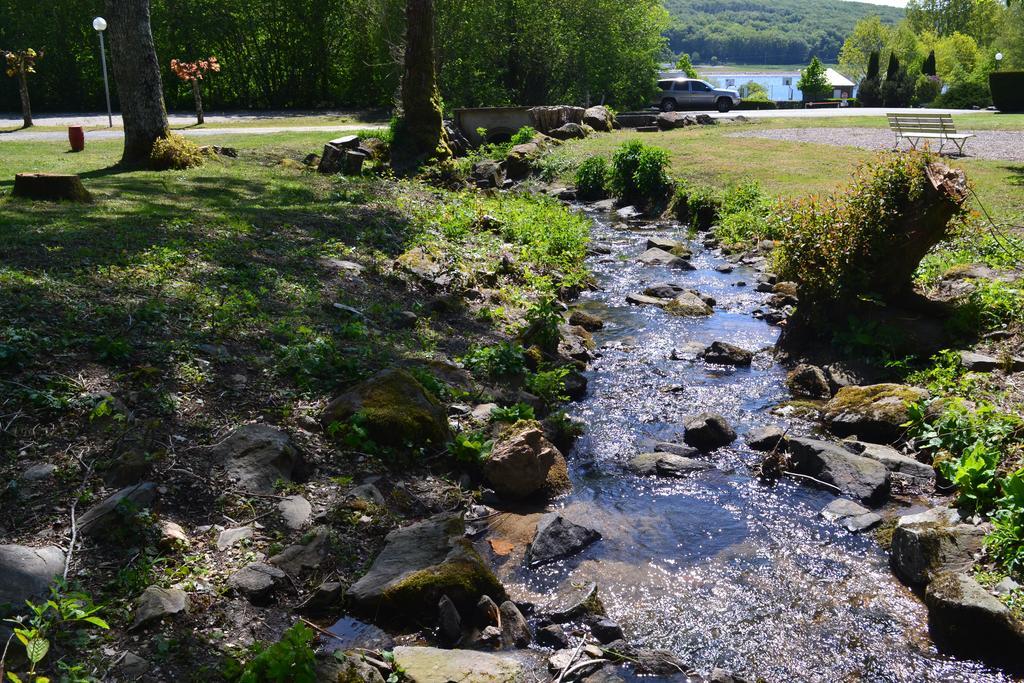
719,568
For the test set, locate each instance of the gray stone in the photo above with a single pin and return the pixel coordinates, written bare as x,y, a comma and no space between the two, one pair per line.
363,496
433,665
325,598
230,537
854,516
556,538
664,259
688,305
665,465
688,351
515,632
257,581
861,478
604,629
766,438
38,472
26,573
101,516
569,131
552,635
599,118
809,381
133,666
979,362
875,413
487,611
257,456
893,460
296,511
482,412
573,602
449,623
932,542
644,300
967,621
723,353
347,668
418,565
299,557
676,449
664,290
658,663
155,603
708,431
665,244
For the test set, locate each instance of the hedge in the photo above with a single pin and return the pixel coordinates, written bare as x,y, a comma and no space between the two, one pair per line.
1007,90
748,105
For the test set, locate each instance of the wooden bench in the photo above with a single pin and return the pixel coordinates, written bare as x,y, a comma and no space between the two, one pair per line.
917,127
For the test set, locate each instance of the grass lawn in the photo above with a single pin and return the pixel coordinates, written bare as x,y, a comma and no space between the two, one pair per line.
791,169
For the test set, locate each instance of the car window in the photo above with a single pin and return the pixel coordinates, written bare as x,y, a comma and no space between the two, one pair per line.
665,85
699,86
680,85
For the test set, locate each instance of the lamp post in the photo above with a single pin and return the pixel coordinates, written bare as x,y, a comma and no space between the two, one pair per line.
100,24
999,60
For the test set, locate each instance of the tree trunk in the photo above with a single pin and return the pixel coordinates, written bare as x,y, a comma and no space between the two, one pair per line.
199,102
137,75
420,136
26,105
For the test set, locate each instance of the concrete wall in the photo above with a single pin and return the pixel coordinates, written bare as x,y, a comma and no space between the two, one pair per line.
500,122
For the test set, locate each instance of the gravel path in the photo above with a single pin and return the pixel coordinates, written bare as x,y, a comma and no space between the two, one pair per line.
996,145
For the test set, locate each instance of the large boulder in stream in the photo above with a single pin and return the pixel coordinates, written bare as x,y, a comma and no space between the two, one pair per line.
659,257
421,563
556,538
966,620
395,410
874,412
708,431
688,305
852,475
433,665
932,542
524,463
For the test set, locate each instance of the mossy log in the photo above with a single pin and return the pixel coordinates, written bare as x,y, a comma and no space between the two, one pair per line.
50,186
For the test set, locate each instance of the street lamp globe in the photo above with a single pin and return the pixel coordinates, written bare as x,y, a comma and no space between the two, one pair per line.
99,23
999,56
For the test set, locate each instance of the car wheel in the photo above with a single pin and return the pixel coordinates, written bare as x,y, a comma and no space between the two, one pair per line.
668,104
724,105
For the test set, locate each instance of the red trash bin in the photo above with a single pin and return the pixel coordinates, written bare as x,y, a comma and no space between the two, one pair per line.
76,136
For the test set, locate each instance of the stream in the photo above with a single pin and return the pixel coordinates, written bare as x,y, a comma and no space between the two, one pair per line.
718,567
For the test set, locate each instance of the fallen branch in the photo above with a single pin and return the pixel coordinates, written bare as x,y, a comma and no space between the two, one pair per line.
816,481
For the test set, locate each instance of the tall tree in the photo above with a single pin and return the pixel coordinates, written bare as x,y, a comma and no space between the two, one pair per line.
420,135
137,75
944,17
19,65
813,81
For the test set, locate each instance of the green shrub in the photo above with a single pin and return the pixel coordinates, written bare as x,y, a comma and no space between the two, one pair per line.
175,152
992,304
290,660
470,448
501,361
542,322
549,385
974,475
640,172
1007,88
592,178
522,136
927,89
703,206
1006,542
965,95
513,413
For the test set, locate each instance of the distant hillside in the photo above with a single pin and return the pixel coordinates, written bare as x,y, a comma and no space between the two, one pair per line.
767,31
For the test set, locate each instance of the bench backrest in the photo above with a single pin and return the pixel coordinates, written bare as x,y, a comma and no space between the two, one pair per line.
922,123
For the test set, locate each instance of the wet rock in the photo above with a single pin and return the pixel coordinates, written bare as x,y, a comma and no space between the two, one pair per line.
688,351
644,300
26,573
674,247
809,381
967,621
515,632
893,460
552,635
628,213
604,629
708,431
979,362
853,516
932,542
665,465
575,385
664,290
396,409
587,321
487,611
449,623
725,268
573,602
524,463
103,515
688,304
295,510
874,412
257,581
658,663
433,665
861,478
766,438
309,554
723,353
418,565
676,449
556,538
231,537
664,259
256,456
157,603
39,472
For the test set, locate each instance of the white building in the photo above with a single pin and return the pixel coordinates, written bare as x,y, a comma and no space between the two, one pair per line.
781,85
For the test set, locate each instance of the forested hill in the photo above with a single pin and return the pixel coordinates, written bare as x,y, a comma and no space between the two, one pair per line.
766,31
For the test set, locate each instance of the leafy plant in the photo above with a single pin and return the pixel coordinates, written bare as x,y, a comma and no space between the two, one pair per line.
470,448
592,178
549,385
1006,542
523,135
640,172
290,660
992,304
974,474
513,413
542,322
504,360
175,152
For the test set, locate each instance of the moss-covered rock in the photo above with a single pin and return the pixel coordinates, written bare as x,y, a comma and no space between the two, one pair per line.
419,564
395,410
874,412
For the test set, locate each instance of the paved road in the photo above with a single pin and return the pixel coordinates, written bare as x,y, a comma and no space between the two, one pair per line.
841,112
19,136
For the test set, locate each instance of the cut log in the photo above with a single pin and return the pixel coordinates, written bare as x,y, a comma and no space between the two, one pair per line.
51,187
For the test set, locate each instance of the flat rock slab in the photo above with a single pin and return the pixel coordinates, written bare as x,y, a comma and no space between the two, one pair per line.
26,573
257,581
665,465
860,478
660,257
556,538
853,516
102,515
968,621
893,460
157,603
296,511
572,602
232,537
433,665
980,362
257,456
418,565
932,542
300,557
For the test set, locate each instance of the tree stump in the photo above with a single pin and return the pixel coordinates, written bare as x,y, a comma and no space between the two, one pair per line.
51,187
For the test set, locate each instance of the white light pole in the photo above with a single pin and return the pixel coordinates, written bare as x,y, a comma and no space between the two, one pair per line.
100,24
999,60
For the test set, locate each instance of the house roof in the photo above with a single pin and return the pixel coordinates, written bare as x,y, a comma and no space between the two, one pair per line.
836,79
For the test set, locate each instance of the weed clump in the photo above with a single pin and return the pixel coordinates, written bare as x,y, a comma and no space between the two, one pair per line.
640,173
175,153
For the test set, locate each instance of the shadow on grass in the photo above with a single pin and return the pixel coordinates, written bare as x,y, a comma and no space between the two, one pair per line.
1016,176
